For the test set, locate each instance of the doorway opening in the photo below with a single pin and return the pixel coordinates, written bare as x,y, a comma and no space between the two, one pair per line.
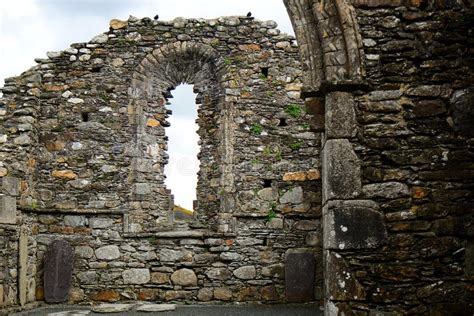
183,147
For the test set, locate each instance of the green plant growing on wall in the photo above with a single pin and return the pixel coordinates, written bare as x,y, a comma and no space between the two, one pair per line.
277,152
305,125
262,77
267,151
255,161
269,94
296,145
256,129
227,61
294,110
271,212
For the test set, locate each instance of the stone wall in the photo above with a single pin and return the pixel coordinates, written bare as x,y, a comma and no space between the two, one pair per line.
187,266
83,137
397,152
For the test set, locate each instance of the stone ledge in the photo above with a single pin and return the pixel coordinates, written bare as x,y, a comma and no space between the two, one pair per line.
71,211
178,234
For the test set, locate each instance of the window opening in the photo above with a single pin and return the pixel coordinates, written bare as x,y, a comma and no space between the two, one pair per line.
183,164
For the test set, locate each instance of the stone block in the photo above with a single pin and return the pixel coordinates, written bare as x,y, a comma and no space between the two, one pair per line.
353,225
101,222
300,267
23,266
110,252
136,276
341,171
10,186
463,111
223,294
246,272
58,261
7,209
387,190
184,277
75,220
341,284
141,188
340,115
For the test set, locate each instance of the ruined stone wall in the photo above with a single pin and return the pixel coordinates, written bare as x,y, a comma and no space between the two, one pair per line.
83,136
397,154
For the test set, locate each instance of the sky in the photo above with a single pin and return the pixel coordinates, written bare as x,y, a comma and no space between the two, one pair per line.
30,28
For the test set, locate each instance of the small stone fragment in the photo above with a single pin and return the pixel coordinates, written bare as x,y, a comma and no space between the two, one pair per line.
64,174
112,308
75,100
156,307
117,24
99,39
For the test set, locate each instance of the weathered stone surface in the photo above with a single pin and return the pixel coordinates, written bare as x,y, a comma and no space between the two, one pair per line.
340,115
136,276
341,171
463,113
245,272
101,222
23,266
388,190
75,220
342,285
58,262
167,255
302,175
10,186
109,252
205,294
106,296
156,307
218,273
274,271
222,294
64,174
117,24
353,225
102,38
7,209
184,277
159,278
112,308
299,275
268,194
293,196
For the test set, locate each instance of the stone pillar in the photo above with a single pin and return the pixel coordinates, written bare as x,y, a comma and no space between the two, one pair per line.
9,190
348,221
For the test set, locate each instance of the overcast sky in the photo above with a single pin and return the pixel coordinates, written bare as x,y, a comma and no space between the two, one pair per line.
30,28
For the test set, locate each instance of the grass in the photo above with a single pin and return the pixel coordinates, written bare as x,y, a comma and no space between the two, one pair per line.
256,129
296,145
294,110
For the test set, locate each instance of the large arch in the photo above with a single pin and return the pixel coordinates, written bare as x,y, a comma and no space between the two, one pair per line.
158,73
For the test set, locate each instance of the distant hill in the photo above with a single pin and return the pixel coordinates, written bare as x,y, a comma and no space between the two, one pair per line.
181,213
